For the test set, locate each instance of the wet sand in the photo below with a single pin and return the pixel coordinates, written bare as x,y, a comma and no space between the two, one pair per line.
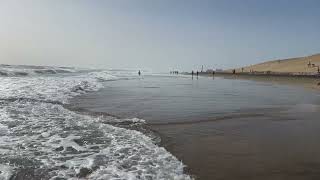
224,128
246,148
302,81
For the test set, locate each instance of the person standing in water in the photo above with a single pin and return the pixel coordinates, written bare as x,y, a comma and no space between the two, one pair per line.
139,72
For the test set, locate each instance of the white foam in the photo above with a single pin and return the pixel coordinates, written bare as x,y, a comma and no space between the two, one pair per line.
103,75
3,129
118,152
46,88
12,70
40,131
5,172
131,120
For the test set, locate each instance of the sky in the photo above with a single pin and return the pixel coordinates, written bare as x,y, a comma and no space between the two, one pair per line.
160,35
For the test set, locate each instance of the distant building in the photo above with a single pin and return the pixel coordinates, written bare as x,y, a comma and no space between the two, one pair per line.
219,70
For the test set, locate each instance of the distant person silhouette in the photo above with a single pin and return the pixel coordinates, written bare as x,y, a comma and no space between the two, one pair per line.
139,72
197,74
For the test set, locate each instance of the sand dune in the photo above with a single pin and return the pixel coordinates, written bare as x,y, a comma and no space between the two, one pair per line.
293,65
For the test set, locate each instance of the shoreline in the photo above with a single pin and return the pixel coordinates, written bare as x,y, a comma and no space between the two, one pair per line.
266,74
213,142
306,81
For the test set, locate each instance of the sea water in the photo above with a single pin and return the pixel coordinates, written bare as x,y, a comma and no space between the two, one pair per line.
42,139
224,127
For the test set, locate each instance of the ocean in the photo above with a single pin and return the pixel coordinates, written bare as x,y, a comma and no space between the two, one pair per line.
42,139
71,123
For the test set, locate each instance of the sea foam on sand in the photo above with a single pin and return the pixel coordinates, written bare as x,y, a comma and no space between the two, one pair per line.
41,138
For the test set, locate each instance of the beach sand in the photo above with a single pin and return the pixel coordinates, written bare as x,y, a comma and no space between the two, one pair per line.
292,65
225,127
257,148
297,81
301,71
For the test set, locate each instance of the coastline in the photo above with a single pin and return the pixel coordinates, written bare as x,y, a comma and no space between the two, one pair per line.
309,81
208,126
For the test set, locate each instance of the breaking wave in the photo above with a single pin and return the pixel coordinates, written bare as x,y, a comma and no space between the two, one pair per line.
41,139
12,71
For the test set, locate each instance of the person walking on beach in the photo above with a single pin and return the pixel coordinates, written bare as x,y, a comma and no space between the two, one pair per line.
197,74
139,72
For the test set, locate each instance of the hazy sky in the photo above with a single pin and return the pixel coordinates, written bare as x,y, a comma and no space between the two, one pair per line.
157,34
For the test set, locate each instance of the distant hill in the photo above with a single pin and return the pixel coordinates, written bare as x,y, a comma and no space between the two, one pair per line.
293,65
